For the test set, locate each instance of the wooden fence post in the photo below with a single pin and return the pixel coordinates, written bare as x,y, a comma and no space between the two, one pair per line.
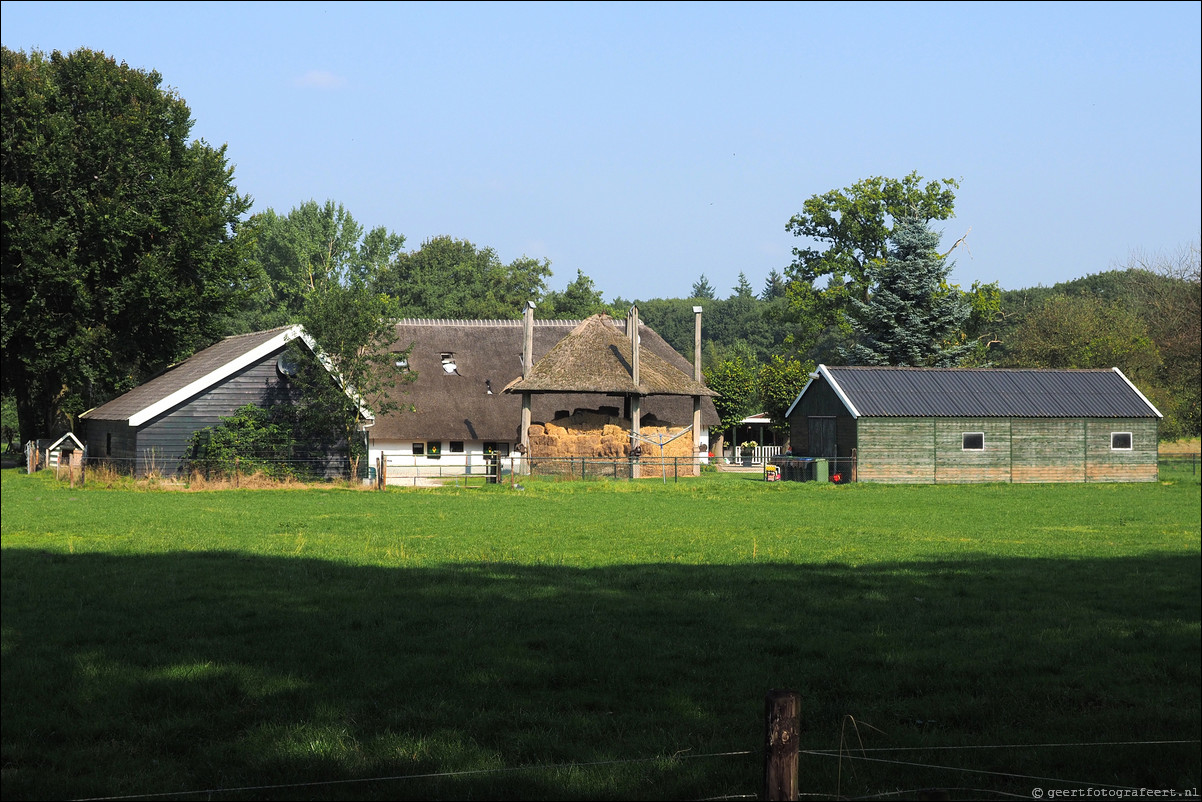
781,724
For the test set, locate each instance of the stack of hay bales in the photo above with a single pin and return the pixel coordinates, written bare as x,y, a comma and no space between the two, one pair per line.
584,434
593,435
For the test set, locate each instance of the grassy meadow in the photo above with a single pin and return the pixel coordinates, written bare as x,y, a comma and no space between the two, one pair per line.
597,640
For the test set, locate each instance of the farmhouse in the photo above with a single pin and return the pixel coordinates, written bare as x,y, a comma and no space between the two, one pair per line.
148,429
454,416
458,417
926,425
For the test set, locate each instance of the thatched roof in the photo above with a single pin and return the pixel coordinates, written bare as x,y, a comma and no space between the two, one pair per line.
488,355
595,357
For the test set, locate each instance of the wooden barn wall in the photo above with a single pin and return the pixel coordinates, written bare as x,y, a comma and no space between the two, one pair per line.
1048,449
930,450
1137,465
896,450
121,439
163,442
821,401
955,465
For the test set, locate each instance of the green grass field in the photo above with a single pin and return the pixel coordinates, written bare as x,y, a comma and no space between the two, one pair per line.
598,640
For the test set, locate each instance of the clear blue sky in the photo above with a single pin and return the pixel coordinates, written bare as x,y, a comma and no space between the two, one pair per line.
647,144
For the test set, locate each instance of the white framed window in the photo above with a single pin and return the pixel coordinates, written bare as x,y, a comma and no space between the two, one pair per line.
1120,441
973,441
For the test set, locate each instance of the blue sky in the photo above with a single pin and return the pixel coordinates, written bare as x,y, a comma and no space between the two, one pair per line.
648,144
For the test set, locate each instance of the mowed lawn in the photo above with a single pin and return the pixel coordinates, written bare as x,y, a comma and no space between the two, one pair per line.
598,640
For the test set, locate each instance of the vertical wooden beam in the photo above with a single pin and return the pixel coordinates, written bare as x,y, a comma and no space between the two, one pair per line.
636,413
782,712
697,378
527,360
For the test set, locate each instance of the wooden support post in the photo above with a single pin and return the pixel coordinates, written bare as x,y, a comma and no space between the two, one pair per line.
782,711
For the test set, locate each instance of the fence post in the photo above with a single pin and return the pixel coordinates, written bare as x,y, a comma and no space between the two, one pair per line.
781,724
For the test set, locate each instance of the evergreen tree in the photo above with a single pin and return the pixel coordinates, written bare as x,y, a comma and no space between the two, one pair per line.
913,317
774,287
743,288
702,289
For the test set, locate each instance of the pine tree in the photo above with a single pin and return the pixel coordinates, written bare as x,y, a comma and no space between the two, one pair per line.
774,287
913,317
743,288
702,289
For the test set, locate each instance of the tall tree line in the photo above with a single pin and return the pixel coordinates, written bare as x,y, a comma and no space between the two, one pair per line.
127,247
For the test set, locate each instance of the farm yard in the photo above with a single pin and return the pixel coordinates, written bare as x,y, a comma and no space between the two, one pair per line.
598,640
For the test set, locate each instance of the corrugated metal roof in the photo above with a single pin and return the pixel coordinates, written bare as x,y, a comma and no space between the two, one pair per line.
989,393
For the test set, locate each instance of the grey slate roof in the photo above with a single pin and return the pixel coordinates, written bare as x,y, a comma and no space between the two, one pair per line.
200,365
988,392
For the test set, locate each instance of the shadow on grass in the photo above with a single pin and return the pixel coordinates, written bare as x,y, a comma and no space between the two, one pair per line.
190,671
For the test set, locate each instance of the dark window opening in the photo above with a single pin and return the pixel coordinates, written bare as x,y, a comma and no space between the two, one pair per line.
456,446
419,449
974,441
1120,441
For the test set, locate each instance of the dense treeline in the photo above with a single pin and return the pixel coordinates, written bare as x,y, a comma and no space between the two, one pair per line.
127,247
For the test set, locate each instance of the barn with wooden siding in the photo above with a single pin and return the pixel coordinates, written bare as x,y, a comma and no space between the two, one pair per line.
928,425
148,429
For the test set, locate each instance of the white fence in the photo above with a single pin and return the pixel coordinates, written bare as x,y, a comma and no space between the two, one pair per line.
761,455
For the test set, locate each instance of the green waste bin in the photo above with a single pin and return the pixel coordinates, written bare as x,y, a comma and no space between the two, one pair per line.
822,470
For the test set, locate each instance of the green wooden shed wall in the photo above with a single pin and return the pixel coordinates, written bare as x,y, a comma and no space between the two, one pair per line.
935,448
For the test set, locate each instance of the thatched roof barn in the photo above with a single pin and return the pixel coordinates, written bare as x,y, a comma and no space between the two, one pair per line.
463,366
596,357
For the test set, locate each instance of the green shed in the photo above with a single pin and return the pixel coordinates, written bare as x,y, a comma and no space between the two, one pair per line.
927,425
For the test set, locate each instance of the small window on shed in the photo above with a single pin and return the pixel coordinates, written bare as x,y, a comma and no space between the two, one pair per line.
456,446
419,449
974,441
1120,441
108,444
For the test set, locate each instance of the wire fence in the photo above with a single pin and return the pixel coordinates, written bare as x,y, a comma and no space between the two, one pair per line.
303,465
1036,786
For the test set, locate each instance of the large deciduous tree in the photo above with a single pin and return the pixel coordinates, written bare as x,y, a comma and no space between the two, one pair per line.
324,271
450,278
308,248
849,231
913,317
578,300
120,253
735,381
780,381
1084,331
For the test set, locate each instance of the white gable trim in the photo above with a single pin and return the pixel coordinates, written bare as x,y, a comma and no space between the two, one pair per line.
223,372
797,400
66,436
826,374
1137,392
